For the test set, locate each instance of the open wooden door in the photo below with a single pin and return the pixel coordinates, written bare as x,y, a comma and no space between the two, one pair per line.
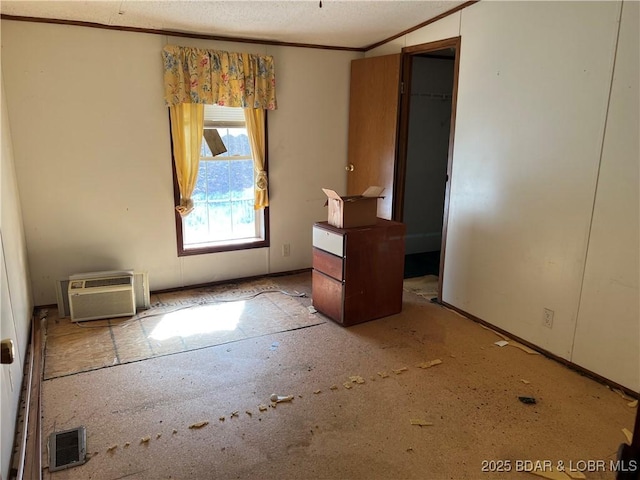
373,126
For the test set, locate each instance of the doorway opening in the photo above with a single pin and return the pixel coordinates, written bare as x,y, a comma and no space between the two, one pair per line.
424,155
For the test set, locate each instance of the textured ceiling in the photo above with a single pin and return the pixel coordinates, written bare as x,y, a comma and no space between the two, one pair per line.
350,23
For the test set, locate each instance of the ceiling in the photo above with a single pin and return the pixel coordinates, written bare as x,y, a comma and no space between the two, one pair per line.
338,23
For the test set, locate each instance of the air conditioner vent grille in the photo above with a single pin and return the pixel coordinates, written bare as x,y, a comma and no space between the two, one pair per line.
108,282
108,304
101,297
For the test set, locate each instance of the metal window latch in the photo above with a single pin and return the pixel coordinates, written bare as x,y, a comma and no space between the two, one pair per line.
7,351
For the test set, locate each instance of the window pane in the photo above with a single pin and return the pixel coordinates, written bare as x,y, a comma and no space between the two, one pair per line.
220,221
223,195
196,225
236,141
200,190
227,213
241,179
243,216
205,151
218,187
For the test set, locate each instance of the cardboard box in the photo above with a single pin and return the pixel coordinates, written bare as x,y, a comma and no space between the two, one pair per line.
354,210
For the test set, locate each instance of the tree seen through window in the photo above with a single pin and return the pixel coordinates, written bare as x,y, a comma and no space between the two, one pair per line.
223,196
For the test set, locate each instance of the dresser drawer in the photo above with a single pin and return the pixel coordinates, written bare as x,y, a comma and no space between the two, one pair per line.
327,295
327,263
328,241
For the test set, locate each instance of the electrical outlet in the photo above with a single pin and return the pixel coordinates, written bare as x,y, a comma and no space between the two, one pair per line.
547,318
286,250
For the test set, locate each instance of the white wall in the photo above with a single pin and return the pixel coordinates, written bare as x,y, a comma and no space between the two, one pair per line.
533,92
608,328
16,305
92,149
529,126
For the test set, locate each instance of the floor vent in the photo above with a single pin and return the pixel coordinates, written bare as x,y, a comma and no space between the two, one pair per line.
67,449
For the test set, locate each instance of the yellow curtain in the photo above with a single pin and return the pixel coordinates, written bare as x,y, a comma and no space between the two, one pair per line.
254,118
187,127
214,77
195,76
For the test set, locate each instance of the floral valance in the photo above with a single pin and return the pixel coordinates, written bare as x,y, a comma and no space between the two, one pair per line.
214,77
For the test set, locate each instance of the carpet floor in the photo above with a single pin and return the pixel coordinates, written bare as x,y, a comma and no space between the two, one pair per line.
425,394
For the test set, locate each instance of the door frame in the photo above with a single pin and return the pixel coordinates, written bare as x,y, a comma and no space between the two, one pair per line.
403,134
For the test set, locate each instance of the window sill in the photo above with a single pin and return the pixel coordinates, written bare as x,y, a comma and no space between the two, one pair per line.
244,244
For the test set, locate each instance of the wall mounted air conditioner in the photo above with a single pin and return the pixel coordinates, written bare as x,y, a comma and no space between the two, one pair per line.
102,297
140,289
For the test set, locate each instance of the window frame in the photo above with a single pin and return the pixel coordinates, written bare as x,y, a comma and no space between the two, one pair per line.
232,245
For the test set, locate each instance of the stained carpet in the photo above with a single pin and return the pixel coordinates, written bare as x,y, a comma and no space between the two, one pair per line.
422,395
176,322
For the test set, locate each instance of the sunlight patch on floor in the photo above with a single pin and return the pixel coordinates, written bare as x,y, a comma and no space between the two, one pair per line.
199,320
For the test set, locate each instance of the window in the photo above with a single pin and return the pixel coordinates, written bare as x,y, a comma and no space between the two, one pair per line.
223,217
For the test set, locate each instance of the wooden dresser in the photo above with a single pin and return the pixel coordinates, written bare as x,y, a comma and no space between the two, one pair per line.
358,272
